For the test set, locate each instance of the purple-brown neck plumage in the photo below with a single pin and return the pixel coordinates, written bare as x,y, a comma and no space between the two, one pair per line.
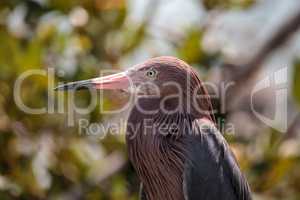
156,152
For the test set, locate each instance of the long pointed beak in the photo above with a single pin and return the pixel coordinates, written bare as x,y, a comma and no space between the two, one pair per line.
111,82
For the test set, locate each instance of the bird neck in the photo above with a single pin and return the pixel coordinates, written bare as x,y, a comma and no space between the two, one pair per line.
156,149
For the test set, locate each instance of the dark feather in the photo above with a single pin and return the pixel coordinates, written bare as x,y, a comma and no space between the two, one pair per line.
211,171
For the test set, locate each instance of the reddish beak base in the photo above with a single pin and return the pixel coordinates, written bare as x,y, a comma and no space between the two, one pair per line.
111,82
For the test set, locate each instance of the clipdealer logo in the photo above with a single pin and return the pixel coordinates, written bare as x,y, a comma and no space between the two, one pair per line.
276,80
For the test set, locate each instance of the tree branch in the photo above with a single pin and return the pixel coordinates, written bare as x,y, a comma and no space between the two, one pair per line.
293,128
244,79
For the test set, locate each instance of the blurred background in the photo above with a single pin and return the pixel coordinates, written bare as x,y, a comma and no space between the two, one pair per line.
240,41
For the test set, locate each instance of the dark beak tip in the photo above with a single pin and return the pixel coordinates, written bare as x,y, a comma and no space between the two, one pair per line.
74,85
59,88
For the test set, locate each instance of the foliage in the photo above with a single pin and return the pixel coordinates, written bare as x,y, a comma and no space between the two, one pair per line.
43,158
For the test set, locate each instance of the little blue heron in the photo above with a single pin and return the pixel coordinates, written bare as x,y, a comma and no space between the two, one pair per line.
172,141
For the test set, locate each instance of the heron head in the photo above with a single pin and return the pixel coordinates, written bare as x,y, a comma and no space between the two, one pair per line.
160,75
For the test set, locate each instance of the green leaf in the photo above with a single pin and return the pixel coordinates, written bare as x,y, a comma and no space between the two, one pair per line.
190,50
296,82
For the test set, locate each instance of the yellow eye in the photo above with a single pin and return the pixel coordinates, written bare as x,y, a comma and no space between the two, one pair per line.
151,73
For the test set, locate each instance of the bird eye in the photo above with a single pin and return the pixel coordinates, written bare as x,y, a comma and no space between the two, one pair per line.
151,73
